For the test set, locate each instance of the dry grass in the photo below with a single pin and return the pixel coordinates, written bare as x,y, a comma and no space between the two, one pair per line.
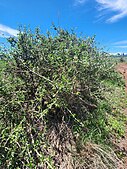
94,156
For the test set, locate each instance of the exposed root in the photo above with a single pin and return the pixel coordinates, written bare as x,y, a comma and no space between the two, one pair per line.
62,144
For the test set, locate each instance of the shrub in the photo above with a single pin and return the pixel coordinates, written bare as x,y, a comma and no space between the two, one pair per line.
50,94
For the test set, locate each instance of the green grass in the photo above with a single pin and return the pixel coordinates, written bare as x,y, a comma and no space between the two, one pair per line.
117,99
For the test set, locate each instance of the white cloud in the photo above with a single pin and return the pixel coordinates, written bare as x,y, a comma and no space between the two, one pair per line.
121,46
6,31
123,42
79,2
119,6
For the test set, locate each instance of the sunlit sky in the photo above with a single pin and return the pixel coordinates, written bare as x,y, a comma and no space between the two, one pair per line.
107,19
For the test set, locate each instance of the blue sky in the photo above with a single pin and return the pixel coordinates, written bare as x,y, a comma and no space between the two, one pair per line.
107,19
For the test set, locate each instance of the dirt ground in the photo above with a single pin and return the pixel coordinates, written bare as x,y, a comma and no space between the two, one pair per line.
122,68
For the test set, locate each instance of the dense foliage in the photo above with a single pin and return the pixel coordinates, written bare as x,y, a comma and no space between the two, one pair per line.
52,102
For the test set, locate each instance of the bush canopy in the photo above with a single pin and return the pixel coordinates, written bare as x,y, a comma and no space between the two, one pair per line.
50,93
